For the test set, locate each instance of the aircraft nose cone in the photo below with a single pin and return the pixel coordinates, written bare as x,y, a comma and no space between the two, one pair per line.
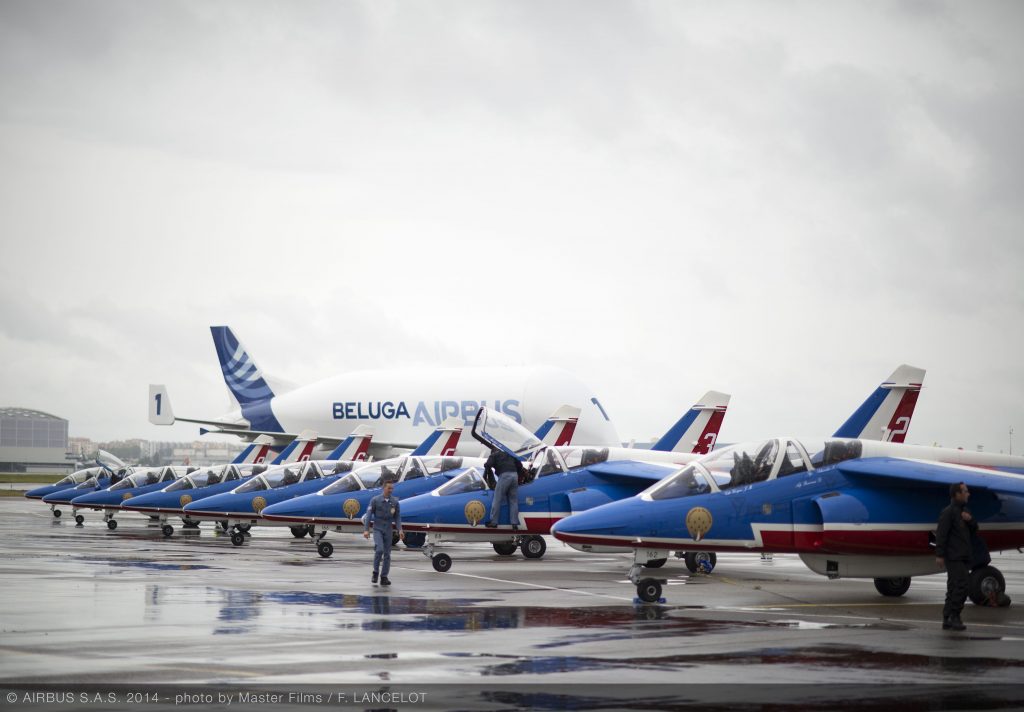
298,507
615,518
101,497
40,492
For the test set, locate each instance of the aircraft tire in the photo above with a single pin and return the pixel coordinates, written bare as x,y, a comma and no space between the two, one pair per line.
237,538
894,587
693,560
299,532
533,547
325,549
648,590
985,586
223,526
504,548
79,519
167,529
56,513
656,563
244,527
441,562
111,524
415,540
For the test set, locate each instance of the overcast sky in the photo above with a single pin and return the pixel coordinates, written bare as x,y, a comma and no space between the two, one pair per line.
780,200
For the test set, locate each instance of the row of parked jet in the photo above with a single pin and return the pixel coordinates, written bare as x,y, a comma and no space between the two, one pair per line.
859,504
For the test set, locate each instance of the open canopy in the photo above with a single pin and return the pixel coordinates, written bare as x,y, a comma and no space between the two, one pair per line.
497,430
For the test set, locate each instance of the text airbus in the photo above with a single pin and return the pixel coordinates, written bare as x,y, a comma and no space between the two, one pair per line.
425,412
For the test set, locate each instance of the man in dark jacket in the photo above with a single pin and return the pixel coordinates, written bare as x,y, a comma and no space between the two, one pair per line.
505,469
953,550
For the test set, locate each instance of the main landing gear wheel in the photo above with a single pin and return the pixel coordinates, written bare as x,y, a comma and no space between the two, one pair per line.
325,549
237,538
656,563
894,587
415,540
700,561
504,548
79,519
649,590
223,526
244,527
299,532
441,562
111,524
533,547
985,586
56,513
167,529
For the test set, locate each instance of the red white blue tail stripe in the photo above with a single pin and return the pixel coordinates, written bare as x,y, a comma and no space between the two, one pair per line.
697,431
887,412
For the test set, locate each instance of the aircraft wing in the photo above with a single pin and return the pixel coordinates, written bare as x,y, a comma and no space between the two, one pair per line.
631,471
902,471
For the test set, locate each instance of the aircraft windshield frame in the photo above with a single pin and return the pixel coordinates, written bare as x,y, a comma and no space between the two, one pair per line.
88,484
80,477
395,467
495,429
345,484
472,480
742,463
690,481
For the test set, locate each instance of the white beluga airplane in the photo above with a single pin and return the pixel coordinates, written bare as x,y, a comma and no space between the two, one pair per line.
404,405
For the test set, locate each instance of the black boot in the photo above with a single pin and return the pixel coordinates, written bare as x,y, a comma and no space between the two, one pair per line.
373,579
956,624
384,581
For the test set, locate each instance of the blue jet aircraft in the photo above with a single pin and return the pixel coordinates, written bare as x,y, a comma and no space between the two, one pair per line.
243,506
849,508
209,481
142,480
96,482
340,505
560,480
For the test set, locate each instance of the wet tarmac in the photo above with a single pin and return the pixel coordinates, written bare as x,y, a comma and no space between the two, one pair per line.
86,604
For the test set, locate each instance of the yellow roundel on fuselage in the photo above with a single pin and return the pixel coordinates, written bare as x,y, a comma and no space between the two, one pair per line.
475,511
258,504
698,522
350,508
185,499
126,495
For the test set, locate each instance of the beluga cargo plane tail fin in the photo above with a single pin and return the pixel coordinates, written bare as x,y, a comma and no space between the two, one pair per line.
886,414
246,383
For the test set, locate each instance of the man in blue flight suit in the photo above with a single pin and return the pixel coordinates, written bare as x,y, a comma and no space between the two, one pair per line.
383,513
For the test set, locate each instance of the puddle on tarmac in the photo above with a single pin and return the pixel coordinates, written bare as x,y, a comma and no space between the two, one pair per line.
144,564
821,657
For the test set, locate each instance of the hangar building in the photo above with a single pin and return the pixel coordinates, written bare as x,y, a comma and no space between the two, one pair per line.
33,441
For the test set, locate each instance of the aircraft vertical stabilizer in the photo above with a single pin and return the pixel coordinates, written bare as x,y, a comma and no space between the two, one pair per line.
256,452
697,431
355,446
299,450
443,440
245,380
886,414
558,429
